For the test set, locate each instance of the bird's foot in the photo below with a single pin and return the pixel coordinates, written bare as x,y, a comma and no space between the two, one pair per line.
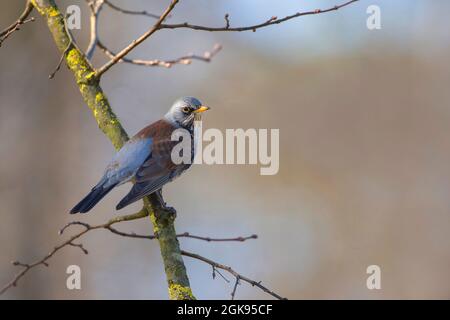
165,210
170,210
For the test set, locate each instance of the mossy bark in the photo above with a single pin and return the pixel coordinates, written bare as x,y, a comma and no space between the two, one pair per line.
93,95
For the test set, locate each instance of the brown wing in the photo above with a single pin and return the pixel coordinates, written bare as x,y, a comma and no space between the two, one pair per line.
159,163
158,169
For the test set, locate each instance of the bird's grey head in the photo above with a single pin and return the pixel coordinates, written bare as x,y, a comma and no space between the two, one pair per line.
184,111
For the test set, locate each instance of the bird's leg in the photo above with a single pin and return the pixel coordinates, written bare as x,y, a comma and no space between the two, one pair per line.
163,205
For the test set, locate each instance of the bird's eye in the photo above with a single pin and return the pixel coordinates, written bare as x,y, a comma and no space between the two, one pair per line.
186,109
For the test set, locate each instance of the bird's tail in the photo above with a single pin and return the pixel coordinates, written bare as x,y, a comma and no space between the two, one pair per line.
97,193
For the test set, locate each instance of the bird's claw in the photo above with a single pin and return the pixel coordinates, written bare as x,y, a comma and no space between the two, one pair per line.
166,210
162,206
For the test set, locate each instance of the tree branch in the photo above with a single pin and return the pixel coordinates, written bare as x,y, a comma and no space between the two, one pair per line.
136,42
61,59
132,12
269,22
69,242
4,34
107,226
237,275
95,7
187,59
160,25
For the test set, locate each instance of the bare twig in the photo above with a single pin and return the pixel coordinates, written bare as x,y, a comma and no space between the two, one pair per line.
214,270
71,42
208,239
43,261
138,41
187,59
69,242
108,226
4,34
271,21
132,12
160,25
61,59
237,275
227,21
95,7
180,235
79,245
236,283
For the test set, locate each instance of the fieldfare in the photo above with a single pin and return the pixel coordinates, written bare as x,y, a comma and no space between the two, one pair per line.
146,158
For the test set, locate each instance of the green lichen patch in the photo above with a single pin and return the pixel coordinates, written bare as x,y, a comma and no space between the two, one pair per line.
179,292
78,64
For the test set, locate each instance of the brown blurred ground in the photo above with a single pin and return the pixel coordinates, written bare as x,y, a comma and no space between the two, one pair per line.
364,167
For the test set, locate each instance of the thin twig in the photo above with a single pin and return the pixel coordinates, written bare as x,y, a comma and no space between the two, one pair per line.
69,242
208,239
71,42
108,226
237,275
180,235
78,245
4,34
227,21
136,42
58,66
132,12
160,25
214,270
271,21
185,60
95,7
236,283
43,261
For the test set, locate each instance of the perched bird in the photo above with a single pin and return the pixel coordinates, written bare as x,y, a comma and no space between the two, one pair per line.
146,158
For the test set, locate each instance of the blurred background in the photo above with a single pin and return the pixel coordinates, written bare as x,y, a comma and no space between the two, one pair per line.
364,151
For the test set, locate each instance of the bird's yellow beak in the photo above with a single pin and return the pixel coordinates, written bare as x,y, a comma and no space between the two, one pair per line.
201,109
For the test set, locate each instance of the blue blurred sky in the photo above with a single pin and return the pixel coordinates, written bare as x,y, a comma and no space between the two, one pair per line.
407,25
404,23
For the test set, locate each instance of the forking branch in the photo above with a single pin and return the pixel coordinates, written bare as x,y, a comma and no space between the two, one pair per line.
138,41
159,25
187,59
95,8
132,12
4,34
109,227
271,21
